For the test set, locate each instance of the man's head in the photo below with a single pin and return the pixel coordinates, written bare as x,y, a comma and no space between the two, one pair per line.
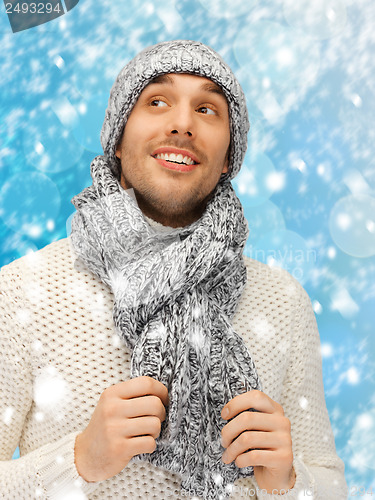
178,95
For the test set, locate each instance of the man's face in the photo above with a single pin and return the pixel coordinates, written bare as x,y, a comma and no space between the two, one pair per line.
185,116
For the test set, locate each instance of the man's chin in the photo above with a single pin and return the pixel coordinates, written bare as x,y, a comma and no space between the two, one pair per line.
172,214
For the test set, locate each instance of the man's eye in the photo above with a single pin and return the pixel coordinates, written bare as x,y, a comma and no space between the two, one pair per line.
158,103
206,111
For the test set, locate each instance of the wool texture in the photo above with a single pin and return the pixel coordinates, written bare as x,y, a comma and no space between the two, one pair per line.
177,56
175,293
174,298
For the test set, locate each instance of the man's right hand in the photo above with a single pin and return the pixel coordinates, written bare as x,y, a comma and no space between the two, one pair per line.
125,423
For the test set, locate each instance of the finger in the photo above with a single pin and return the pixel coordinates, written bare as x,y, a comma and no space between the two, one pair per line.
265,458
254,399
252,440
142,426
143,406
140,386
252,421
140,444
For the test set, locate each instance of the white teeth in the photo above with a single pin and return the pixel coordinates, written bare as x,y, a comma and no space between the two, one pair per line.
175,158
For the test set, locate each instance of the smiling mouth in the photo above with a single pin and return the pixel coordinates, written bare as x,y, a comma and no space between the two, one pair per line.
178,159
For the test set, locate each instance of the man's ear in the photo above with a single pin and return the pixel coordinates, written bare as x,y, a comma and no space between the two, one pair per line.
225,168
226,162
118,148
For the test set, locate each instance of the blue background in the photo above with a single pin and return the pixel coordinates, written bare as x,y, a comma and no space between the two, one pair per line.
308,181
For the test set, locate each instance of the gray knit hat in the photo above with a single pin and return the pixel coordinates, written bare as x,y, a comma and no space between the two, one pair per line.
178,56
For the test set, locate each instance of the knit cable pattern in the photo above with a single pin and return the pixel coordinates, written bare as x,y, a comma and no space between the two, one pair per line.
175,296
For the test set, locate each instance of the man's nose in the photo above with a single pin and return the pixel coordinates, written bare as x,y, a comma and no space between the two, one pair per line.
181,121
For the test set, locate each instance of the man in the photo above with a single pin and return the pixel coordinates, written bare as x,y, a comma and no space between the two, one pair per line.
215,388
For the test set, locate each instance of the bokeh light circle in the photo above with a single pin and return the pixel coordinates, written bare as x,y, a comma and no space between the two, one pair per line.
276,55
14,246
257,138
286,249
262,219
91,113
319,19
28,203
225,9
253,181
352,225
68,224
48,144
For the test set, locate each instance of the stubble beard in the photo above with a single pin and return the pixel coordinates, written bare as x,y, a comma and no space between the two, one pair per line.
174,209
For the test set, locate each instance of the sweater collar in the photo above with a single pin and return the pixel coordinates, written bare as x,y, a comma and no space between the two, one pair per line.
159,227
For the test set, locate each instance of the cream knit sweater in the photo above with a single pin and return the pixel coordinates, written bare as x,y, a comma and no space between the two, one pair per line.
59,351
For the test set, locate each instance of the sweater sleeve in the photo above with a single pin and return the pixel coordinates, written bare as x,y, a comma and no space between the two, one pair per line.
319,470
49,471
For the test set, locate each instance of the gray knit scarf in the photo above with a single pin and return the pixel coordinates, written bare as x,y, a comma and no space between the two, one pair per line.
174,299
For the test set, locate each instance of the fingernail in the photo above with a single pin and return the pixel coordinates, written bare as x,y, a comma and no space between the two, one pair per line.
224,458
225,413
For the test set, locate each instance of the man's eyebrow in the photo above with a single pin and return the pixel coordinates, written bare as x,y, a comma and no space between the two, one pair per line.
207,87
212,87
162,79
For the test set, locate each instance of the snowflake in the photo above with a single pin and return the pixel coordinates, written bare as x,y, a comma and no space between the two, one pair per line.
218,479
197,338
8,414
303,402
49,389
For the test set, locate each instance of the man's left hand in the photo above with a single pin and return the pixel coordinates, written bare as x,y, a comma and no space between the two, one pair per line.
261,439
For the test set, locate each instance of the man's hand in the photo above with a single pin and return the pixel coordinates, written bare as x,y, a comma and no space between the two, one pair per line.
261,439
125,422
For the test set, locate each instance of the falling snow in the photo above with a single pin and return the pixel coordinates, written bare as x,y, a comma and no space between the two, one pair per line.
218,479
303,402
308,181
8,415
50,390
